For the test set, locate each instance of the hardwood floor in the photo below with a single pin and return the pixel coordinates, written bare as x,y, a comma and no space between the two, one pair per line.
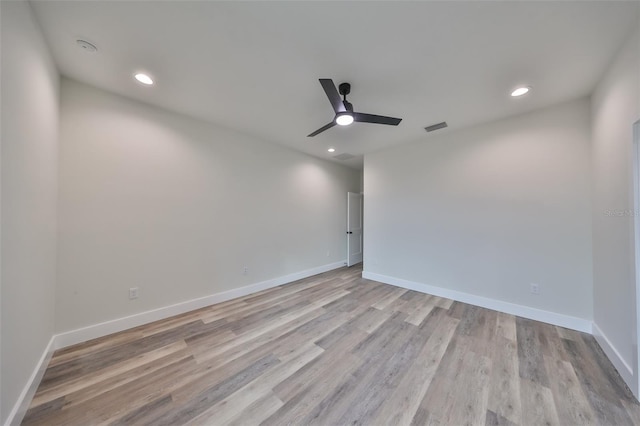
336,349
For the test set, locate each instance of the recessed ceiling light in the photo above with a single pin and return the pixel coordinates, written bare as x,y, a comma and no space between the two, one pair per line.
520,91
331,150
144,79
344,118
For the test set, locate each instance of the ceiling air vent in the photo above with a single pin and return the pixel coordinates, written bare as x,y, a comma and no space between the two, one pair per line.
344,156
436,126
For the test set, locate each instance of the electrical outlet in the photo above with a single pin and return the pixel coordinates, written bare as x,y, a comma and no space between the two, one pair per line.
535,288
245,270
133,293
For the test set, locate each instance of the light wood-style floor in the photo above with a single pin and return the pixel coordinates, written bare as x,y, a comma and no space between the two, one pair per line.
336,349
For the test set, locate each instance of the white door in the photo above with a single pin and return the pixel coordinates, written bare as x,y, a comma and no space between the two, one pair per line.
354,228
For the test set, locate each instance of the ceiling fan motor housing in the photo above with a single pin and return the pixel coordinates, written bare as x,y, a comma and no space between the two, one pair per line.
345,89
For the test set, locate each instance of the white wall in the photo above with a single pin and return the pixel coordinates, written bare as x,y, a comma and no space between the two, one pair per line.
178,207
28,199
488,210
615,107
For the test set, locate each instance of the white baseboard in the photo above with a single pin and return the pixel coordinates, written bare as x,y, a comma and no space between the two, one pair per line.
108,327
554,318
22,405
625,370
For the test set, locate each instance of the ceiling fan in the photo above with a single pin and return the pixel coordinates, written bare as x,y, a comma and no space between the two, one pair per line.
344,110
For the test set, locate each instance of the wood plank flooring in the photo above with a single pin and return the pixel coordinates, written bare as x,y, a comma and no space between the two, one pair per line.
335,349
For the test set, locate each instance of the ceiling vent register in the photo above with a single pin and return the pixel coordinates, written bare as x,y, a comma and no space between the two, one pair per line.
344,156
438,126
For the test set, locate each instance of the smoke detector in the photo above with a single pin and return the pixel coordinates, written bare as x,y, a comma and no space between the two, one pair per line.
86,46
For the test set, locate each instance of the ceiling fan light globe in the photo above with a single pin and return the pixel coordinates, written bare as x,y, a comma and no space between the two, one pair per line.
344,119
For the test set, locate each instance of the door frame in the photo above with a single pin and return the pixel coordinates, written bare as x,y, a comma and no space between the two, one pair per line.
361,197
636,254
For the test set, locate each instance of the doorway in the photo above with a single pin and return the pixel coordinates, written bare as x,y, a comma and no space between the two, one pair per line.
354,228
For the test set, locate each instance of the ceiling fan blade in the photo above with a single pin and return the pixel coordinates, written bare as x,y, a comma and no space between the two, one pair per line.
322,129
332,94
377,119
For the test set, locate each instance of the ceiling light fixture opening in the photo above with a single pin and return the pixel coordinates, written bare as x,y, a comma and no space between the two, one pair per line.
344,119
523,90
331,150
144,79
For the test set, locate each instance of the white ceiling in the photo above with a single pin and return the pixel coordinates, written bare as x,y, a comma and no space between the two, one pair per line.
254,66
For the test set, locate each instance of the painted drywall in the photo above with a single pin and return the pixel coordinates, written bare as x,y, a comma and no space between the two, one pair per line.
615,107
29,137
178,207
489,210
